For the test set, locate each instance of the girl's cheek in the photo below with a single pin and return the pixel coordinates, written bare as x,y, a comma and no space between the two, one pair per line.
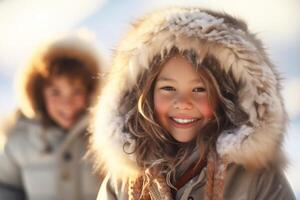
52,101
207,110
161,104
82,100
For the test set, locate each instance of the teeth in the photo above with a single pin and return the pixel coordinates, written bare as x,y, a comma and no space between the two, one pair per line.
183,121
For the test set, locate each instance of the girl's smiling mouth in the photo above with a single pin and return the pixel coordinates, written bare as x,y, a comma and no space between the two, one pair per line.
183,122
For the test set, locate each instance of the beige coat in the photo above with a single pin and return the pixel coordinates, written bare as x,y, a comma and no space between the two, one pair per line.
254,143
240,184
47,164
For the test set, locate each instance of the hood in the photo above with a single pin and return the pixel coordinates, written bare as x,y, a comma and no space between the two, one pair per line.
242,57
72,45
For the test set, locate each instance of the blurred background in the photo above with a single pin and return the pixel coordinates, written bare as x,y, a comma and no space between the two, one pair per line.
24,24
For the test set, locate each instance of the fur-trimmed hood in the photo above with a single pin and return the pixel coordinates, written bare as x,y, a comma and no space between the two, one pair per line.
71,45
241,56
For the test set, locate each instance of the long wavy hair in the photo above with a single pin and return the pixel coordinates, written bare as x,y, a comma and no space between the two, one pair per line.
154,146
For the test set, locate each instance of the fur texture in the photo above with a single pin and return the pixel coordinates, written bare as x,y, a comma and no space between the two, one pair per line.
70,45
207,33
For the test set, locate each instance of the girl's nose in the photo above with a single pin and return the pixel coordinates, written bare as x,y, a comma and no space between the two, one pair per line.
67,101
182,103
68,105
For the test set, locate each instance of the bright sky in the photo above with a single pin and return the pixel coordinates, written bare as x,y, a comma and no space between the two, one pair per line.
23,24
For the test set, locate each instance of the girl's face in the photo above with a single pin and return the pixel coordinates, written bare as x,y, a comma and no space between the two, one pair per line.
65,99
181,102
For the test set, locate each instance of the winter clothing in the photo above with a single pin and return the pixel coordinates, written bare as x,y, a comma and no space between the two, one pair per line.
39,157
247,185
239,184
47,163
249,160
72,46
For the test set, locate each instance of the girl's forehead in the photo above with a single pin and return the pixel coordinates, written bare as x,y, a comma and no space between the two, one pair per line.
179,64
66,80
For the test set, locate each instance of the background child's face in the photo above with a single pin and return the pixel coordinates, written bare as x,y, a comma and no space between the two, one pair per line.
180,100
65,99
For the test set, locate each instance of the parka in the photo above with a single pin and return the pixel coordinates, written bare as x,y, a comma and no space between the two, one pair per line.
250,162
47,162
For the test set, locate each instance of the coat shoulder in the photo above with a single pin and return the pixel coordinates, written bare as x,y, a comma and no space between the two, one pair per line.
269,183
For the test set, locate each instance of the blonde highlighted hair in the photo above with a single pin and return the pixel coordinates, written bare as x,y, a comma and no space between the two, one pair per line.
154,147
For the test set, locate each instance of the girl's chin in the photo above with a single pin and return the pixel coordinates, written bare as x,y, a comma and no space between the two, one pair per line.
66,125
183,139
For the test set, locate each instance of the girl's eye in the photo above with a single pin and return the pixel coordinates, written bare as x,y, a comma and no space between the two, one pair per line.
199,89
167,88
54,92
79,92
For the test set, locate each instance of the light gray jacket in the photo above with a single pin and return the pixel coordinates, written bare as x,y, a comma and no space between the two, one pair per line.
46,164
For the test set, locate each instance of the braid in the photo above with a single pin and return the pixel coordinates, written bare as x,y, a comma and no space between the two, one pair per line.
216,170
149,186
163,190
136,189
210,178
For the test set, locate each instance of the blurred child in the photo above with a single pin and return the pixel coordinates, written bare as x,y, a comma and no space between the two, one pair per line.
46,142
192,110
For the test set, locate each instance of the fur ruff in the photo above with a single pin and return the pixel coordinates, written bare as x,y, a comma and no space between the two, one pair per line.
207,33
69,45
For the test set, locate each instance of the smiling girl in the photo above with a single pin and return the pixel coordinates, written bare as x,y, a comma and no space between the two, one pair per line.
181,103
192,110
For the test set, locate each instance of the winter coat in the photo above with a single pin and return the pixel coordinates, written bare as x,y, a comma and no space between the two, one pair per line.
249,163
42,160
240,184
46,163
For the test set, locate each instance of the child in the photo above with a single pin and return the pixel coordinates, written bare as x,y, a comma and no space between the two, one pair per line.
192,110
45,145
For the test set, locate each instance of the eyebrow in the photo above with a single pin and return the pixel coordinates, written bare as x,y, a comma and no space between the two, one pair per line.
165,79
197,80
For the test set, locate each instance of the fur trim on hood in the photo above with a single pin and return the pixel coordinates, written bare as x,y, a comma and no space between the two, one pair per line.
70,45
255,145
